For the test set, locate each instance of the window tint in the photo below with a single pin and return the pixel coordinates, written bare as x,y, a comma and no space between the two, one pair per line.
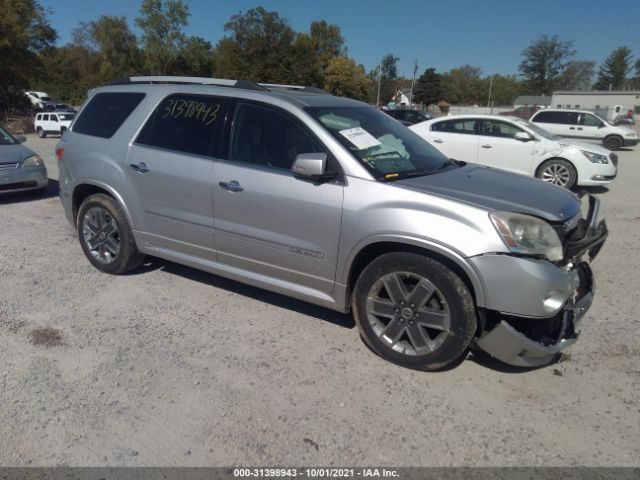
495,128
455,126
105,112
589,120
54,118
186,123
45,118
266,137
566,118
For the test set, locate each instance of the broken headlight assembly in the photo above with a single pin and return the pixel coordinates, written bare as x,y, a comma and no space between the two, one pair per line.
527,235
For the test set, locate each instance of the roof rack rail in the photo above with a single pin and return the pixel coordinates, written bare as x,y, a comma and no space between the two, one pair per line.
222,82
299,88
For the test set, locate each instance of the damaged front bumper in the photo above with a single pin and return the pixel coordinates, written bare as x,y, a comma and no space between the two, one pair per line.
534,306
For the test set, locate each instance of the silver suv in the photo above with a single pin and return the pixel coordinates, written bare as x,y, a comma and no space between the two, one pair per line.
331,201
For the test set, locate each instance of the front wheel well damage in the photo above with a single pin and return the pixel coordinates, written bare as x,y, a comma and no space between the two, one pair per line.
374,250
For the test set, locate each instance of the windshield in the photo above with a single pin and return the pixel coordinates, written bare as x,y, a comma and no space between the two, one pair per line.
606,122
46,99
66,116
384,146
6,138
539,130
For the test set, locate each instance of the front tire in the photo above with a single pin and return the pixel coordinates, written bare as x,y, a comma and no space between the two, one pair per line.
559,172
41,133
105,235
613,143
414,311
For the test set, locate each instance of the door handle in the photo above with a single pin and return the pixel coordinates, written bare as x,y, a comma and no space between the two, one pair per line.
139,167
437,140
572,128
579,128
232,186
487,146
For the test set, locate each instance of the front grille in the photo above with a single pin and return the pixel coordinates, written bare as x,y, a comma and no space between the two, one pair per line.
8,166
614,159
571,223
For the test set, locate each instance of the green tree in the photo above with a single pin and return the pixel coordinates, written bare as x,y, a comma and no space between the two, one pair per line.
614,70
636,80
504,90
344,78
428,87
71,71
543,63
327,42
162,23
115,46
464,85
388,73
24,34
195,58
577,75
259,46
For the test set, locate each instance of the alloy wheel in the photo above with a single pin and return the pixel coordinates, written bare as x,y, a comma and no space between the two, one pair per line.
557,174
101,235
408,313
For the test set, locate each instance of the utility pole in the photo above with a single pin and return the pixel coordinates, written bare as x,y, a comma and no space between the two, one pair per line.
415,69
490,88
379,78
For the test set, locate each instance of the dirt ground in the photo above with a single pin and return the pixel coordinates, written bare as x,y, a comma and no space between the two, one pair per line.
172,366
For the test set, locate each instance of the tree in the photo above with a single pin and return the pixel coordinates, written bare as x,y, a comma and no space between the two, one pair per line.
428,87
636,80
543,63
115,46
464,85
614,70
260,47
578,75
327,42
388,72
504,90
24,34
344,78
195,58
162,22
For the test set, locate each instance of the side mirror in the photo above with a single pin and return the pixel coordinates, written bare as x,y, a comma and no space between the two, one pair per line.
312,166
21,138
523,136
601,125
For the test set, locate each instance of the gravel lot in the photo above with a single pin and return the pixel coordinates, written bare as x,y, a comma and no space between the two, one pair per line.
172,366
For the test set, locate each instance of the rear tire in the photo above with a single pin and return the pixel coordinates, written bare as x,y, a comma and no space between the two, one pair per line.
558,172
105,235
414,311
41,133
613,143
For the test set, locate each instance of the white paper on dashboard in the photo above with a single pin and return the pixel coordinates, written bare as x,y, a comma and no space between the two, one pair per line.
360,138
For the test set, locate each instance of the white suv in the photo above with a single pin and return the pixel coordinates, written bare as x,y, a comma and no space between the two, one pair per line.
40,100
584,125
55,122
513,144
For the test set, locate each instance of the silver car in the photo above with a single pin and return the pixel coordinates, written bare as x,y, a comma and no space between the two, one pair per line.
20,167
328,200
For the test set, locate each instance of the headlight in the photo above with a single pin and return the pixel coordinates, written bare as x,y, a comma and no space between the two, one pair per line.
527,235
595,157
32,161
631,135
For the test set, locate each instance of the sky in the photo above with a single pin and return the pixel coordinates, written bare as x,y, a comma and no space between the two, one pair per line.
443,34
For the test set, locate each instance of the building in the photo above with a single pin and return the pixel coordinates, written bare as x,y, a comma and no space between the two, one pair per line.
541,101
607,104
402,97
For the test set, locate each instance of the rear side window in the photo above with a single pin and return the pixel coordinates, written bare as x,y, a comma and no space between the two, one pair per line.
106,112
186,123
455,126
544,117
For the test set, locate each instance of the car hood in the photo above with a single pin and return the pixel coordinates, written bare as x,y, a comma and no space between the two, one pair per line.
14,153
591,147
498,190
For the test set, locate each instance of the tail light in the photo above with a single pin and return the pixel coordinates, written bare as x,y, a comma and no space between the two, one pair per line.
59,153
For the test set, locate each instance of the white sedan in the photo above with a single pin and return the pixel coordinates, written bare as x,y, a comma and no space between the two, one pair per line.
519,146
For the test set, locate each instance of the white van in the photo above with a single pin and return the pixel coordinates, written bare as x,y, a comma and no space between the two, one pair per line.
585,125
55,122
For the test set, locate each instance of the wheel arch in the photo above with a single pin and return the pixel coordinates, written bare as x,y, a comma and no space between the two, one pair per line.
614,135
86,188
374,248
